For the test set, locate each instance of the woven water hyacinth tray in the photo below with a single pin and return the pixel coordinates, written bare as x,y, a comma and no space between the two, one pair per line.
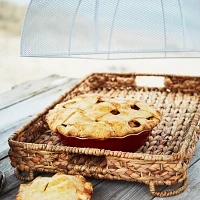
162,160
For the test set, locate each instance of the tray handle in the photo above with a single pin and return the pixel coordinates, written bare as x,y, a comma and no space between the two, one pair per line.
28,177
167,193
170,82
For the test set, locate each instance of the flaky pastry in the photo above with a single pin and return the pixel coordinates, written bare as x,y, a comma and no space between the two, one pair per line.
99,116
58,187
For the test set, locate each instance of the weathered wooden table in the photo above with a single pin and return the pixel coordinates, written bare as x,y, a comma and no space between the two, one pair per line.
24,101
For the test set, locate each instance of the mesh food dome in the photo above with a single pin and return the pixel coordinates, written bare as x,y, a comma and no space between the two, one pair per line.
112,29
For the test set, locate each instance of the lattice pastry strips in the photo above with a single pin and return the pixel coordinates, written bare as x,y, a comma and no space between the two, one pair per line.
99,116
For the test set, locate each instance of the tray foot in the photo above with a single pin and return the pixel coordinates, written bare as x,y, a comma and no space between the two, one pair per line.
167,193
24,177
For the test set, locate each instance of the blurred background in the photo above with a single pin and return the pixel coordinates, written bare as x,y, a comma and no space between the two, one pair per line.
15,69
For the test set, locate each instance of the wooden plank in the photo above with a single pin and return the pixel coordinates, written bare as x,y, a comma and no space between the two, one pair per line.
32,106
116,190
9,195
196,155
29,89
6,134
3,154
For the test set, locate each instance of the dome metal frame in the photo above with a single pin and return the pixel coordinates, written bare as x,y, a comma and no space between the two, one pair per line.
112,29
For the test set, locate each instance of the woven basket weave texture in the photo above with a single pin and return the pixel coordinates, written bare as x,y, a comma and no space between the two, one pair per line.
162,160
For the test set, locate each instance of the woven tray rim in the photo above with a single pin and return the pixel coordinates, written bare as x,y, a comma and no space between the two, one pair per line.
101,152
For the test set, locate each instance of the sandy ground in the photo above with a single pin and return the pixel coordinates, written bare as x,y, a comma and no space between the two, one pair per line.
15,69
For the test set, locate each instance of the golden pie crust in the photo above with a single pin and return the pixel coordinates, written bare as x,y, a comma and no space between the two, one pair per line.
99,116
58,187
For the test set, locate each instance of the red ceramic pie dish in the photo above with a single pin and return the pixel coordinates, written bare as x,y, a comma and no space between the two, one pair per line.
128,143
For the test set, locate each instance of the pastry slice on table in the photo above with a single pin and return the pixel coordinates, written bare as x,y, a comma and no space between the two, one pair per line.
58,187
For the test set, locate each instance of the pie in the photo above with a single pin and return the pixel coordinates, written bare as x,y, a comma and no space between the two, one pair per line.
101,117
58,187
